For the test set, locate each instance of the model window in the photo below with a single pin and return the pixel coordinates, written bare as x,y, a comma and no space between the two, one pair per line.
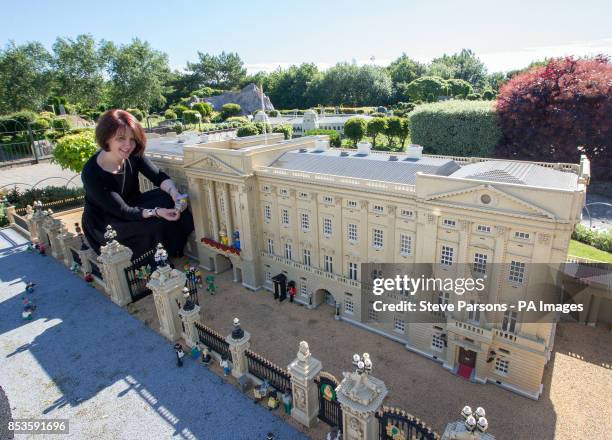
405,244
284,192
348,306
270,246
268,276
303,195
406,213
521,235
483,228
372,315
306,257
443,298
509,322
327,226
328,264
288,251
517,272
437,343
352,271
399,325
352,231
303,290
351,204
449,223
285,217
474,313
267,213
377,238
378,209
480,263
446,256
328,199
501,366
305,221
222,205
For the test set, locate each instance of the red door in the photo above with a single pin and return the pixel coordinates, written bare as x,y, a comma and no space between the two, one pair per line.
467,357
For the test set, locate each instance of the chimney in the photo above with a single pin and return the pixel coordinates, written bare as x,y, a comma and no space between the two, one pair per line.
414,151
364,148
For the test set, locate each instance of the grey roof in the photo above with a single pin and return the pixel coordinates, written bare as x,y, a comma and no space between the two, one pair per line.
521,173
335,119
371,166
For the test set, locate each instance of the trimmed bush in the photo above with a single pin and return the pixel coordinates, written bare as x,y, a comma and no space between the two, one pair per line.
355,129
260,126
60,124
285,129
247,130
178,128
229,109
426,88
169,114
137,113
179,109
601,240
456,128
191,117
473,96
204,108
40,124
376,126
334,137
239,119
73,150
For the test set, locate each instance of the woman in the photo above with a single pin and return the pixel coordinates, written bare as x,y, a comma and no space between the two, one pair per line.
113,197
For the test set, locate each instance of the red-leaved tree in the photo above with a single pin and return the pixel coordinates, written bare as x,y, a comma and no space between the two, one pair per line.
557,112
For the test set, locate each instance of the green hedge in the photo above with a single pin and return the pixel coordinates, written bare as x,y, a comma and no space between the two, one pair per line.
247,130
22,198
285,129
601,240
334,137
456,128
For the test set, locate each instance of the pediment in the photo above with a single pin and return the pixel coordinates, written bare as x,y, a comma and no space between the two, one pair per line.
208,162
499,201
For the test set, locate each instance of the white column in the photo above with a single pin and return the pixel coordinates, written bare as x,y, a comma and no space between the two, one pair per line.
213,210
167,286
228,212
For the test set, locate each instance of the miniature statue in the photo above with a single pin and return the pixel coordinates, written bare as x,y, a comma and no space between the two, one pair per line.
210,284
273,400
225,365
179,354
236,240
223,238
287,400
205,355
198,277
195,352
291,290
30,287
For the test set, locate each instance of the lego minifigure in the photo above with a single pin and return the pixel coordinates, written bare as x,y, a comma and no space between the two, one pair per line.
225,365
30,287
205,355
195,352
30,247
74,267
88,277
291,290
273,400
236,240
28,309
42,249
223,238
287,400
179,354
210,284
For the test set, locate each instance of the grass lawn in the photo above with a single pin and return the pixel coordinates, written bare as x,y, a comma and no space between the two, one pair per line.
578,249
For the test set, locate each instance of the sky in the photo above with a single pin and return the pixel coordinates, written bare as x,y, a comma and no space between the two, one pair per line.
267,34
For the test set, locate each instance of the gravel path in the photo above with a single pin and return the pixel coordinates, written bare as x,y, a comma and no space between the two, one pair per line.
577,382
87,360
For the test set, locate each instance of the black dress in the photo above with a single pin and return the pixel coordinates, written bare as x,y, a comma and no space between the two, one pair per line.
116,200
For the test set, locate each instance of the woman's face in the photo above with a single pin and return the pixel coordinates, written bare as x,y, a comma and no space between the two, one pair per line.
122,143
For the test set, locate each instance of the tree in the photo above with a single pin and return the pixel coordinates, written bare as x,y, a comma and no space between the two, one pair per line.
138,74
204,108
355,85
79,69
355,129
230,109
395,128
422,88
223,71
464,65
405,70
295,87
376,126
558,112
25,77
459,88
404,131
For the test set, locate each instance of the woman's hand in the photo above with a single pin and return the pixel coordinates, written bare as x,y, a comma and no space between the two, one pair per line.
168,214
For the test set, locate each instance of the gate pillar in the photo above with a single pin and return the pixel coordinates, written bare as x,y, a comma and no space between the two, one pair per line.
303,387
360,396
238,341
167,286
115,258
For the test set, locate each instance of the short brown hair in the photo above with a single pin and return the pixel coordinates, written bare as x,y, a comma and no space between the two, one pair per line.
113,120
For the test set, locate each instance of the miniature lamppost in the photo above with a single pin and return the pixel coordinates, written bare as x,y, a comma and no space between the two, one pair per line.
38,206
475,421
362,363
189,305
110,234
161,256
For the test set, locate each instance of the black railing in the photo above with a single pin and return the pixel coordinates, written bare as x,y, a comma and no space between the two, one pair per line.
95,270
330,410
395,423
59,205
266,370
76,257
213,340
192,285
137,275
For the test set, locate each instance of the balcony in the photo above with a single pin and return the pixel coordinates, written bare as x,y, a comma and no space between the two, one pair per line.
313,270
471,331
526,341
221,248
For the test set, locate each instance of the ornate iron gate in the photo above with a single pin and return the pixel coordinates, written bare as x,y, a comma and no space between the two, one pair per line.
329,408
395,424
